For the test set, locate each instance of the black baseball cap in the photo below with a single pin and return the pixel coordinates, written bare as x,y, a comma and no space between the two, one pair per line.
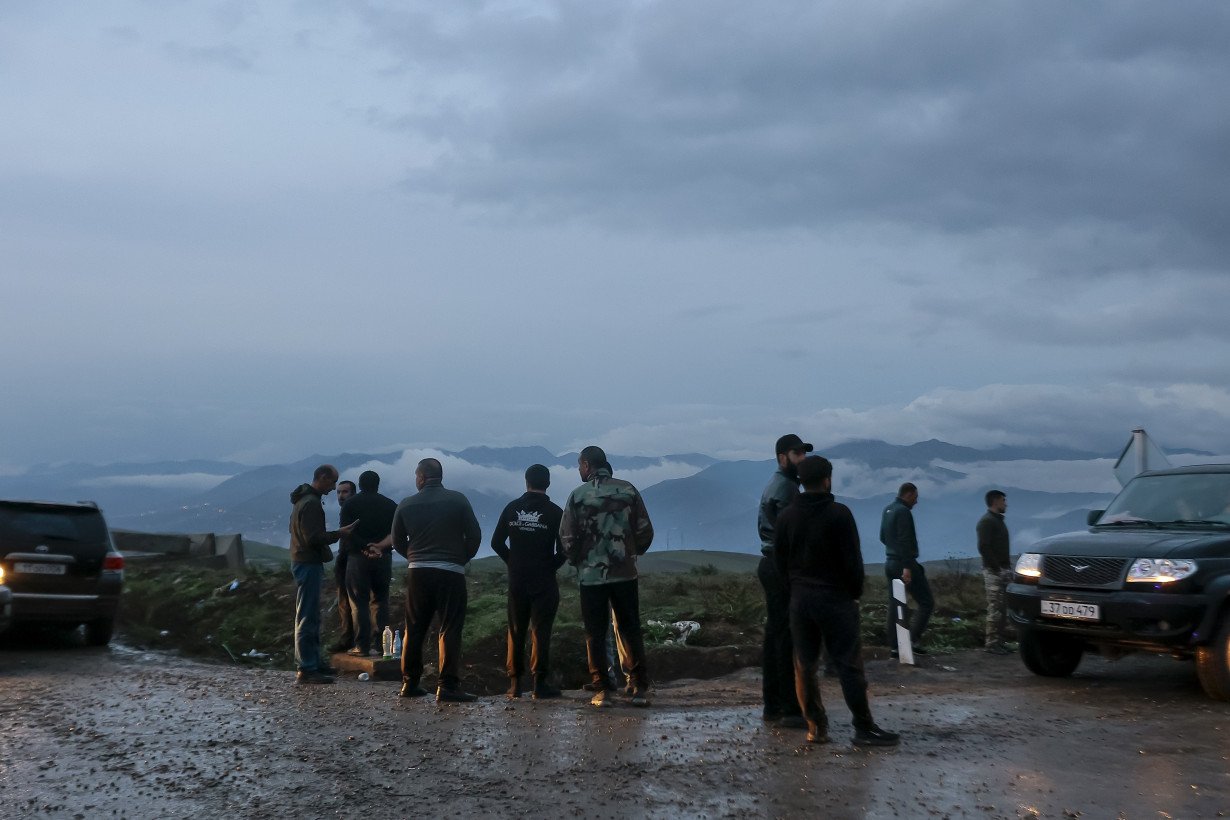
790,442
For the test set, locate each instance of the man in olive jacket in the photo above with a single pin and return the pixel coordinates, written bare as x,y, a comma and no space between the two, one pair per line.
309,552
993,546
901,561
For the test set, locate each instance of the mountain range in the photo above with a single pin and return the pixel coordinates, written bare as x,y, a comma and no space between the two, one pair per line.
695,501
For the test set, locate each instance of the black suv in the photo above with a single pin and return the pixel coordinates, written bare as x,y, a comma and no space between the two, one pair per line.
1152,572
61,566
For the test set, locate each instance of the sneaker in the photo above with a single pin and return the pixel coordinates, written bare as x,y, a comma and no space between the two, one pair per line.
921,650
894,654
454,696
356,652
640,698
514,689
793,722
305,678
875,736
817,733
602,699
544,691
326,669
997,649
411,690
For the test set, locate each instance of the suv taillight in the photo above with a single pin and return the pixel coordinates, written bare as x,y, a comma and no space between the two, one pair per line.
113,561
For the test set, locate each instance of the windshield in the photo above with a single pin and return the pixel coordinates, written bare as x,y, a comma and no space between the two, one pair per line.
1164,499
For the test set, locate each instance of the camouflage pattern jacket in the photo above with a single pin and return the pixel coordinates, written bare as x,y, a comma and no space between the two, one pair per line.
605,526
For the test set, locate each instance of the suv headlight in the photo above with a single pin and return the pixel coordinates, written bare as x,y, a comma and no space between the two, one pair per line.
1029,565
1160,570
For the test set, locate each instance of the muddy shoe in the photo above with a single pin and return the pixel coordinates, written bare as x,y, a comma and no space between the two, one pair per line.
326,669
306,678
875,736
410,690
603,699
454,696
545,691
640,698
793,722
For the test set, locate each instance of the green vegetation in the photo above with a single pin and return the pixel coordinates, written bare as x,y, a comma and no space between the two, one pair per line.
203,613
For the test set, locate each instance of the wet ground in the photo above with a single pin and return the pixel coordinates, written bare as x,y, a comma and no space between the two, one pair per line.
113,733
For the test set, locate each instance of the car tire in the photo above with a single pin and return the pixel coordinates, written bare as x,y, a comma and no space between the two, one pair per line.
1050,655
1213,663
99,632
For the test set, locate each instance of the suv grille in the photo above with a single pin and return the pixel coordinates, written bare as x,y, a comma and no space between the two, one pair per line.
1079,571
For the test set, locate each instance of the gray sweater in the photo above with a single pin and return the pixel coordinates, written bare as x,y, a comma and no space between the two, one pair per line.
436,525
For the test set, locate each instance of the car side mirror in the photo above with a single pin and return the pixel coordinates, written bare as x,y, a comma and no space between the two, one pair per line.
1093,516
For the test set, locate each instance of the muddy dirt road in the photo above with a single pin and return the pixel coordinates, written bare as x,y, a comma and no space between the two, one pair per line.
110,733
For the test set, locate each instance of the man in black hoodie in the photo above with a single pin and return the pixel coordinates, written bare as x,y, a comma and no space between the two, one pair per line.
527,539
817,551
309,552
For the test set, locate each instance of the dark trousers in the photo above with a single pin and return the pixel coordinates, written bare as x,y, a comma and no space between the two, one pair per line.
367,587
531,613
431,592
827,618
597,602
918,589
777,664
344,616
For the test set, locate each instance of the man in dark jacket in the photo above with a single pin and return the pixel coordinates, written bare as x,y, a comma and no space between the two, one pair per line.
438,534
901,561
345,616
816,549
777,668
367,579
309,552
996,568
527,539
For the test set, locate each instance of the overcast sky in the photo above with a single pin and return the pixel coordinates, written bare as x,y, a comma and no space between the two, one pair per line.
261,230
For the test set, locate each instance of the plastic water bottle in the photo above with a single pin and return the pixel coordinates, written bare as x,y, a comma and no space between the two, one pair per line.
387,642
397,644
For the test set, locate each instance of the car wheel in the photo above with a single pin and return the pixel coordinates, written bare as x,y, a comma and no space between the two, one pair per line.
98,633
1050,655
1213,663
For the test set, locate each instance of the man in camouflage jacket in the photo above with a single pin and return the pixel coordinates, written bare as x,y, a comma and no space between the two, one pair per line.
604,528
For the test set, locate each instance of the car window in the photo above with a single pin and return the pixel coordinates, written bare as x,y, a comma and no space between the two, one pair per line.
1163,498
65,525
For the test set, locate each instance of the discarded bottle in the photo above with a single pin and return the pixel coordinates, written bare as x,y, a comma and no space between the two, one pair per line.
397,644
387,642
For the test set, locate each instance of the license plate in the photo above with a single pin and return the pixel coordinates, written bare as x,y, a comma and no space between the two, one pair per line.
1069,609
28,568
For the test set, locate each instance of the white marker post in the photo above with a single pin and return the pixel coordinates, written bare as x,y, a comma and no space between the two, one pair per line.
905,649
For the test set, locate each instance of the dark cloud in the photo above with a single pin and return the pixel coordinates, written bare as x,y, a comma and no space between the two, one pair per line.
961,117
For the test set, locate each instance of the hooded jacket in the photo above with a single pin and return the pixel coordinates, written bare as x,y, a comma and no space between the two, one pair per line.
309,540
605,526
816,544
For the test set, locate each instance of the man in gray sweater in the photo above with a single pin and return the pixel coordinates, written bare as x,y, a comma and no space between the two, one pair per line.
437,533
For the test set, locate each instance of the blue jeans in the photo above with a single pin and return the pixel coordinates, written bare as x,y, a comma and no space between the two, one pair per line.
307,614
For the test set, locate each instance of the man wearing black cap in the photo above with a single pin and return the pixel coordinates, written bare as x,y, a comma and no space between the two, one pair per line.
817,551
777,666
527,539
367,578
604,528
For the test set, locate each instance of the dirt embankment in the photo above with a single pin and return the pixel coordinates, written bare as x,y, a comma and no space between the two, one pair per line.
108,733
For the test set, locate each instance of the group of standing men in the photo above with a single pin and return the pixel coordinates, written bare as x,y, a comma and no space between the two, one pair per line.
812,573
601,530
